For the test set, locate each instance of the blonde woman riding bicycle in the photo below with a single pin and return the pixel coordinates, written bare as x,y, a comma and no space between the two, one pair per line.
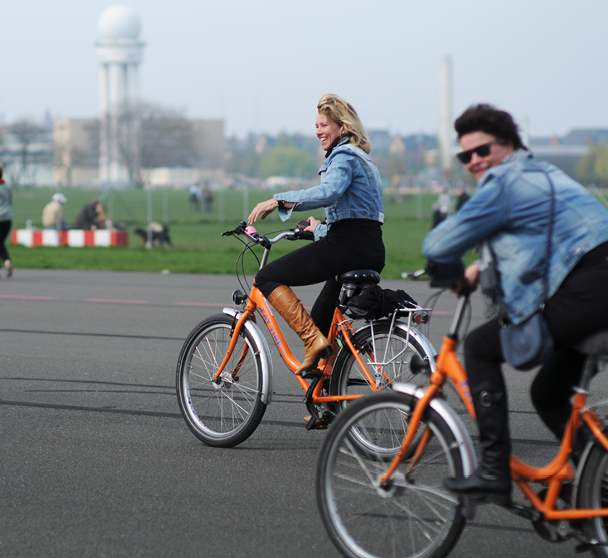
350,237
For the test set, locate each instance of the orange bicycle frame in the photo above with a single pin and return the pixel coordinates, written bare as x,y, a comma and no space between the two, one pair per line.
257,301
553,474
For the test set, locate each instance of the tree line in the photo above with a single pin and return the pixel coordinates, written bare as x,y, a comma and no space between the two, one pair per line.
153,136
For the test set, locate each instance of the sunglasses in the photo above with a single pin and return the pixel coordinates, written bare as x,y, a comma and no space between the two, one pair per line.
481,150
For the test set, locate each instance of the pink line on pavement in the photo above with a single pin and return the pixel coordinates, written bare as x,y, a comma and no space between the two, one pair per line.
113,300
202,304
29,297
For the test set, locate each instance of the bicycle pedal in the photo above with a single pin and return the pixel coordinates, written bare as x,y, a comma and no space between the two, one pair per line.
311,373
317,424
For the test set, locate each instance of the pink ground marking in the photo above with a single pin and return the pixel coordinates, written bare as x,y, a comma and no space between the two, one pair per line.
116,300
29,297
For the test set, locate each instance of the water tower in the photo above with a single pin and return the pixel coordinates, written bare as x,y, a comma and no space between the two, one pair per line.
119,51
445,115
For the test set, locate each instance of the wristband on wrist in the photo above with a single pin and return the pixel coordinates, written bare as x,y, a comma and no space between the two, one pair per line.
281,204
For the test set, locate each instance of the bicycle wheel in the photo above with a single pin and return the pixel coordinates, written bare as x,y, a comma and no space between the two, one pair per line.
387,356
412,517
389,363
226,413
593,493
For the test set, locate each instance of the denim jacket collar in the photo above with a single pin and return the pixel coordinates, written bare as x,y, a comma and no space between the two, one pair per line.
338,141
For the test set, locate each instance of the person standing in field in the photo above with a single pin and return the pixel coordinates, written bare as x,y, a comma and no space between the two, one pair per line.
6,221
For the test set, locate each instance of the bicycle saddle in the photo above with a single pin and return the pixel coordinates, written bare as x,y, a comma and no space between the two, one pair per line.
359,277
594,345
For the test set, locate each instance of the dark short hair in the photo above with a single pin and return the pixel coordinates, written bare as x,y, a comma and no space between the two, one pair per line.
488,119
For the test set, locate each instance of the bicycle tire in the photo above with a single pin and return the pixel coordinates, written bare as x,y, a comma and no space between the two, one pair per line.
411,518
593,493
224,414
348,379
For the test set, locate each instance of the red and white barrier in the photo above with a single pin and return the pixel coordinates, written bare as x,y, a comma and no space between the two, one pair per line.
75,238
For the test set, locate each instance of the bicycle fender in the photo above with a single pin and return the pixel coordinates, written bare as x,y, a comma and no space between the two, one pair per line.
579,470
417,335
265,358
454,422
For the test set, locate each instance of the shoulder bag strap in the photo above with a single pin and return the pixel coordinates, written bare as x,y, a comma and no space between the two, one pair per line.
548,251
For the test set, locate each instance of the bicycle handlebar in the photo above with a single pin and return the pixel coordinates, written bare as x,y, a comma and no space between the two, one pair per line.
414,274
248,231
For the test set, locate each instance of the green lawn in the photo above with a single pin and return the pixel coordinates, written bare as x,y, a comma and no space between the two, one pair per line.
198,244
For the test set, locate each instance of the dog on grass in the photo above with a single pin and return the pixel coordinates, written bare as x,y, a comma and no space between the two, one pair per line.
159,233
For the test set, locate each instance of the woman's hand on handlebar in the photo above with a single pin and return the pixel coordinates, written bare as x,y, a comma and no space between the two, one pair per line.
468,282
313,224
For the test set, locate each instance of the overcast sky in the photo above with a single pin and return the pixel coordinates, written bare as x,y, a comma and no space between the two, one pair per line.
262,66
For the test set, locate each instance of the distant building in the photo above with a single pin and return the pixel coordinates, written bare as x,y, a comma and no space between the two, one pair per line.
566,152
76,154
380,139
76,151
564,157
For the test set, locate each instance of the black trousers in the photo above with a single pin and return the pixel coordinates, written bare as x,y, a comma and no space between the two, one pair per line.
578,309
5,228
350,244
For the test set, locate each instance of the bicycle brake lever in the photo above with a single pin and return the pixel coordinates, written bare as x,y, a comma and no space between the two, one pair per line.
240,229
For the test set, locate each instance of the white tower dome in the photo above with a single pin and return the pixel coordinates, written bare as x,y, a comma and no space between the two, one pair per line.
119,23
120,52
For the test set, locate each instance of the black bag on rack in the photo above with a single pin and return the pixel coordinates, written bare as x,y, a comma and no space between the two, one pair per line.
373,302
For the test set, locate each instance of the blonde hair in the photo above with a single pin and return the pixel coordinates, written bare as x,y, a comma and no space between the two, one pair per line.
342,113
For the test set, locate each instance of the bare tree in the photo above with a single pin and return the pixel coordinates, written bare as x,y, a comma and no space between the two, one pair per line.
26,134
75,144
150,137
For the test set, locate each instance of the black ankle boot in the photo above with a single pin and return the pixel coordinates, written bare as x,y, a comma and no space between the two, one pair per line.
493,488
492,479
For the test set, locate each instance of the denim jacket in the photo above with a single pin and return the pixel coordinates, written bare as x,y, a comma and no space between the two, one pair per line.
351,188
511,212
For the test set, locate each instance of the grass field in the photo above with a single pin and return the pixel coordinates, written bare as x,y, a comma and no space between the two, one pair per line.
198,245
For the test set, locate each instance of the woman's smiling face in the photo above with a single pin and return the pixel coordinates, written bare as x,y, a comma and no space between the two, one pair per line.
327,130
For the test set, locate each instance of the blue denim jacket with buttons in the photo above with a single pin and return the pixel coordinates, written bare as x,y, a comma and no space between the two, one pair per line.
510,210
351,188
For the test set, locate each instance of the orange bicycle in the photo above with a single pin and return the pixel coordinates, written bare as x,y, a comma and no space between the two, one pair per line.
225,370
379,505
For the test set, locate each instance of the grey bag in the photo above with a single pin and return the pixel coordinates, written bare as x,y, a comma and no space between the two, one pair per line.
528,344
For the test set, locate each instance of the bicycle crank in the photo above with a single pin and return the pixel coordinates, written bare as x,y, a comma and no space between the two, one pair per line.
320,415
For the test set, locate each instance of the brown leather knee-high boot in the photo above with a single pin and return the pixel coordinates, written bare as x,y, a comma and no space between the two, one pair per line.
288,305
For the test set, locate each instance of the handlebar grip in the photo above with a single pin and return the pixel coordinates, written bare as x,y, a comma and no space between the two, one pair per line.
240,229
414,274
306,235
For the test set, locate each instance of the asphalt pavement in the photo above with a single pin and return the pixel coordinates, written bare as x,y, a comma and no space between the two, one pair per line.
96,460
